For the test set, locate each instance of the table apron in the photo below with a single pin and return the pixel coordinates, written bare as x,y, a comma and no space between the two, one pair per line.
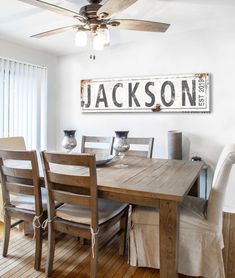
131,199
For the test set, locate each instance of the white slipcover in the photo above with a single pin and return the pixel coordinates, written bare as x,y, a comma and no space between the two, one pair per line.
200,229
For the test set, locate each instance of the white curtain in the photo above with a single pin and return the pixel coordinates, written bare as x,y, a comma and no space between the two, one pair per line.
23,102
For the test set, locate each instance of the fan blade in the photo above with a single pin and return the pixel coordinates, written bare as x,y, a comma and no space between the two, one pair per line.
54,8
139,25
56,31
114,6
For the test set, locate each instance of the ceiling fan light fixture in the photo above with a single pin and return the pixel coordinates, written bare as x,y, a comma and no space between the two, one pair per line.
81,38
95,19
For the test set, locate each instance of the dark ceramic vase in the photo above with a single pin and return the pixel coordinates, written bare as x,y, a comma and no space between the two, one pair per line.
69,141
121,144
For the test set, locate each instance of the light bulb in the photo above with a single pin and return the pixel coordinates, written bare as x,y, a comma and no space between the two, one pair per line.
98,43
81,38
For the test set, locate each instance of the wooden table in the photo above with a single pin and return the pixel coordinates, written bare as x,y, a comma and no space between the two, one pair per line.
154,183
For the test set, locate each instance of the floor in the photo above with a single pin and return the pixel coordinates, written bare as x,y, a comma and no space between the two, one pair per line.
71,260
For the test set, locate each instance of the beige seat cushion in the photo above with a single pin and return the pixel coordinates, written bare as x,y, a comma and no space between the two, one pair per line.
76,213
28,202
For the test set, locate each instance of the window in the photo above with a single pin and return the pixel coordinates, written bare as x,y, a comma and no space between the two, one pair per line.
23,102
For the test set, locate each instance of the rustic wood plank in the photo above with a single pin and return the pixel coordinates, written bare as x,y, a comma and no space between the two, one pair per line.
64,244
162,179
229,244
97,139
226,234
81,181
19,173
74,159
76,264
83,262
11,267
71,198
168,239
115,266
20,188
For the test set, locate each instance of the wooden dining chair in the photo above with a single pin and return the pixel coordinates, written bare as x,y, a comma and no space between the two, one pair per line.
72,180
97,145
200,229
22,195
10,143
141,147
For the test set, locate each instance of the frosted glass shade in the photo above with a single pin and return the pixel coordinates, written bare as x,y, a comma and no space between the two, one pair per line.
81,38
98,43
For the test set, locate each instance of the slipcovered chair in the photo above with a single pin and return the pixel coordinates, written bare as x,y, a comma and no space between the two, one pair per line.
200,229
12,143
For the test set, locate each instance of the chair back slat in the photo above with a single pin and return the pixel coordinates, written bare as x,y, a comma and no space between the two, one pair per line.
17,173
97,139
64,159
137,153
97,144
95,151
71,198
139,140
79,181
17,155
18,188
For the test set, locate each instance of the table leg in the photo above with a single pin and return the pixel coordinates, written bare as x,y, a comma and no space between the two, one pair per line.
168,239
195,190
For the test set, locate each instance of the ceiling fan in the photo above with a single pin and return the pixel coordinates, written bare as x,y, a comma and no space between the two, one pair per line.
96,18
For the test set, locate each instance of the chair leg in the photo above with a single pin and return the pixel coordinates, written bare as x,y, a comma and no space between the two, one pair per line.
51,250
7,229
82,240
94,258
38,248
123,235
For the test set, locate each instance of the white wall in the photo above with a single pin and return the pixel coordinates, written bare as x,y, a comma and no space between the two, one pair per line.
181,53
194,51
24,54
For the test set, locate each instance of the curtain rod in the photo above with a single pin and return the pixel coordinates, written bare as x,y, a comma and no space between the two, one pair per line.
24,63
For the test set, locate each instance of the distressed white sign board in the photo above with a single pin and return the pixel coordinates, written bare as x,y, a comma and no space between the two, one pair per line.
169,93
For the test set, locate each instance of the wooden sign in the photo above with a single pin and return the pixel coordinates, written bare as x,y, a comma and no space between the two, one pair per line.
169,93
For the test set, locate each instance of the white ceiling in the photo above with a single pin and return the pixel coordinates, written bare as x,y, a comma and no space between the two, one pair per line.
19,20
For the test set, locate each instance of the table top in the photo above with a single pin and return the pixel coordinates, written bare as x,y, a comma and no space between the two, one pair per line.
156,178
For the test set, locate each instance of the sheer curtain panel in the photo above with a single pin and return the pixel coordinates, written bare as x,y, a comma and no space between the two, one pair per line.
23,102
